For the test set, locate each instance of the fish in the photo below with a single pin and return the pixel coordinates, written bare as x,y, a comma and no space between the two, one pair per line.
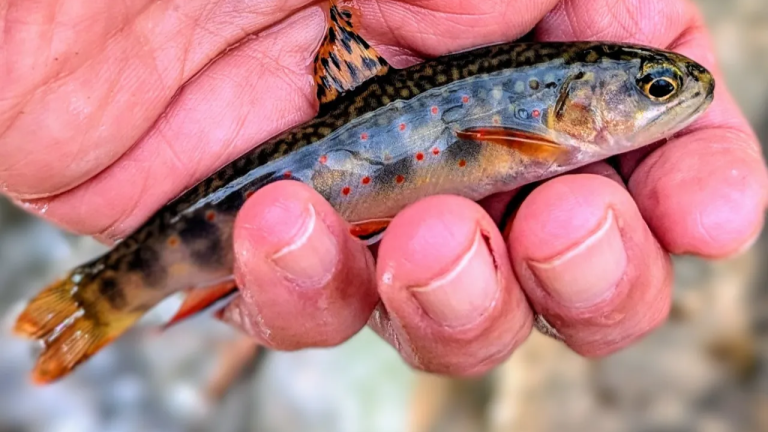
471,123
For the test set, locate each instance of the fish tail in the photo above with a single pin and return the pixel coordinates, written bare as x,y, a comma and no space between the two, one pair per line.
71,328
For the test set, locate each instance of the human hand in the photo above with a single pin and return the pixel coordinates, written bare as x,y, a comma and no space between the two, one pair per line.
110,135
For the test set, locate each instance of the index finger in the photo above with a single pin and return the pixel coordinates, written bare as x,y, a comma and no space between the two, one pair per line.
705,191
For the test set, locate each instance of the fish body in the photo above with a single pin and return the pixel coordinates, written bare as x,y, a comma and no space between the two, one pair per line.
473,124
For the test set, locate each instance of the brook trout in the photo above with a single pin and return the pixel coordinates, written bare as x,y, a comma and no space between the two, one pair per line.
473,124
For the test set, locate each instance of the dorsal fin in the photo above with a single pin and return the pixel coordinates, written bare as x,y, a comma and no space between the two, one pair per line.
344,59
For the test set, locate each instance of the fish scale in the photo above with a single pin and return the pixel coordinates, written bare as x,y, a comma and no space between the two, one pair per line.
472,123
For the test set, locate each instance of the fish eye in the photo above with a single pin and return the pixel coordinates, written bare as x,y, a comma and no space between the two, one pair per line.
661,88
659,85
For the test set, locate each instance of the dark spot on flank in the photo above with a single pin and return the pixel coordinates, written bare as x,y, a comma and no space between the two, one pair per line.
394,173
109,290
146,262
461,150
202,239
331,35
550,85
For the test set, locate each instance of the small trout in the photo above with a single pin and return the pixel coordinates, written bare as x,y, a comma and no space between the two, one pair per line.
473,124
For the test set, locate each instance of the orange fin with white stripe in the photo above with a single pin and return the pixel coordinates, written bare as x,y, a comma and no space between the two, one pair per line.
200,299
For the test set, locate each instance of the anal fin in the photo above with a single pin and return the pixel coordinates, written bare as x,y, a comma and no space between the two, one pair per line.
527,143
200,299
370,231
344,60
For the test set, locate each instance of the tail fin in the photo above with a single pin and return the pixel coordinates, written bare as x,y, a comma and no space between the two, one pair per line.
71,329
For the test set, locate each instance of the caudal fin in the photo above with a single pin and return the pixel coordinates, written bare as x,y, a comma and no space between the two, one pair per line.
70,328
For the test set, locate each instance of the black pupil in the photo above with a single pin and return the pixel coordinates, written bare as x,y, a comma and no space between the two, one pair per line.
661,88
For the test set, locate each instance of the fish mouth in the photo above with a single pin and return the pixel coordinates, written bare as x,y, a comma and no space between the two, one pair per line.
691,109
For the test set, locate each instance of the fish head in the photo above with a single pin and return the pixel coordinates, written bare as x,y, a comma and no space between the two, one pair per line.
618,98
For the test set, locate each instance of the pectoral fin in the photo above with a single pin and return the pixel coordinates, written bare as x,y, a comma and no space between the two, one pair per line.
532,145
344,59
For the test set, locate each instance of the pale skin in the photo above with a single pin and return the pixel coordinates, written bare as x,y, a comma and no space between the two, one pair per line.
108,110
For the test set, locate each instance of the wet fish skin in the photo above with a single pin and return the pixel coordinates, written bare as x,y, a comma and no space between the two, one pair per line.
391,140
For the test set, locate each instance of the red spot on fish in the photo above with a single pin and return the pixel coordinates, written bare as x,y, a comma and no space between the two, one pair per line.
536,113
365,180
249,194
287,174
323,159
462,163
173,241
210,216
496,120
465,99
419,156
364,136
435,151
346,190
434,110
399,179
402,126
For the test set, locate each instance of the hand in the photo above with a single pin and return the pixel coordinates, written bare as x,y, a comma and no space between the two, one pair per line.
107,112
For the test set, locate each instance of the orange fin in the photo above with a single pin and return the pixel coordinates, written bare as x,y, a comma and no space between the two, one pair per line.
344,60
370,231
199,299
46,311
71,329
529,144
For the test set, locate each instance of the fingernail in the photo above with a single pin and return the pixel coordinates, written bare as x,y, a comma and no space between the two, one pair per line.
311,256
463,294
588,272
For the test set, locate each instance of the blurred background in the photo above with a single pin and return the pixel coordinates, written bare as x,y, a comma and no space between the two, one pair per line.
705,370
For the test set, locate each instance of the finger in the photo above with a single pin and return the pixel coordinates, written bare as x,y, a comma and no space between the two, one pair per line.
304,280
404,31
450,303
705,191
589,264
253,92
83,82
